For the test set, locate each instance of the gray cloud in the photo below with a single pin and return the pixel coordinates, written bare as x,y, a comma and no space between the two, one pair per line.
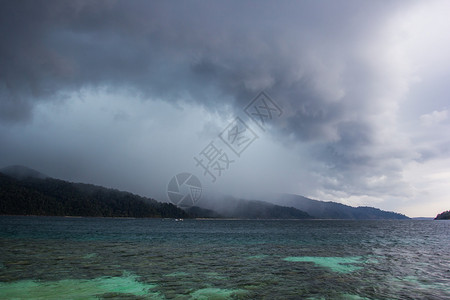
212,52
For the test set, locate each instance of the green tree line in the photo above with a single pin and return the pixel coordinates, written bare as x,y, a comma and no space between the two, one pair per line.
53,197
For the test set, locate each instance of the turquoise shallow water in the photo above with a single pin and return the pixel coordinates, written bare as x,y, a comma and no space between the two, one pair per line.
100,258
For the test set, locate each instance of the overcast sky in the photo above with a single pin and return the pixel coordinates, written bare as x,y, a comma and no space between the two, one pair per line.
126,93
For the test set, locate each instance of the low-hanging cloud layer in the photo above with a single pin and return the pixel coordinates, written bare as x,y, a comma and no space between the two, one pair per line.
125,93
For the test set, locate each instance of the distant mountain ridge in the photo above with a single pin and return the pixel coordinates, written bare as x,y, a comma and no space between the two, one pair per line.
24,191
230,207
334,210
22,172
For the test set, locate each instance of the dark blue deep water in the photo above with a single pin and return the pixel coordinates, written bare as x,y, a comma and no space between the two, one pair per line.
102,258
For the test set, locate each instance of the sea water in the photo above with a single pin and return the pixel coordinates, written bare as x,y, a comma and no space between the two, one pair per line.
104,258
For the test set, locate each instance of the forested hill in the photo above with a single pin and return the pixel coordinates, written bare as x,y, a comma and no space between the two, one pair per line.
24,191
443,216
41,195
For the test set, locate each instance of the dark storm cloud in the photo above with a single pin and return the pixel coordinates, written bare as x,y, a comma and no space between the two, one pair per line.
210,52
321,61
